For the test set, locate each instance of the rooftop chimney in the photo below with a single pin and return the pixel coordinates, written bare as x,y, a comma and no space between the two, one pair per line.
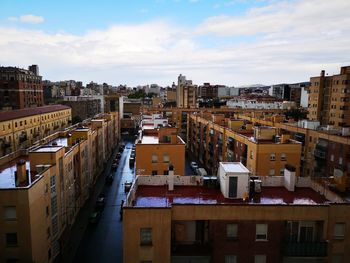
22,175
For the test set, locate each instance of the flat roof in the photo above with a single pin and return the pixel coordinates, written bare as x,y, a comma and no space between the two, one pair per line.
234,167
148,139
82,129
160,196
48,149
7,173
22,113
60,141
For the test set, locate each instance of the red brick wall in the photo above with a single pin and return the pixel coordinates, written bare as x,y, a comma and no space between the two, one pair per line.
245,247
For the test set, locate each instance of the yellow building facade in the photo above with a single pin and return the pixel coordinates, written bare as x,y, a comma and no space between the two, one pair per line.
40,209
22,128
214,138
158,147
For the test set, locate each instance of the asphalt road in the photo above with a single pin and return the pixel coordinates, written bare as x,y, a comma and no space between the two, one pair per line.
103,242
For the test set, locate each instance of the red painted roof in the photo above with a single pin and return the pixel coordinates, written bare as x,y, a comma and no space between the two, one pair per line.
160,196
16,114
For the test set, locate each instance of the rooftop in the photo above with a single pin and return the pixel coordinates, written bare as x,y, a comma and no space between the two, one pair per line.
16,114
160,196
7,174
234,167
48,149
147,139
60,141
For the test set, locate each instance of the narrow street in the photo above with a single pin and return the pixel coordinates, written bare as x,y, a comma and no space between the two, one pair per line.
102,242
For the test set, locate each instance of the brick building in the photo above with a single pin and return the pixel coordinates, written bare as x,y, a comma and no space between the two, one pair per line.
20,88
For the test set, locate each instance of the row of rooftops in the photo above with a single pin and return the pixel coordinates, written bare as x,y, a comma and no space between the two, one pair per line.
9,168
256,134
22,113
16,70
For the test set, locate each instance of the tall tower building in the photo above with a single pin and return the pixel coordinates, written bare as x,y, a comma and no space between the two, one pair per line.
329,98
186,93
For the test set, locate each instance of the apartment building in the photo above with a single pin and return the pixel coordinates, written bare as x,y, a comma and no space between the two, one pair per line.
329,98
191,219
213,138
158,148
42,188
325,153
20,88
186,93
27,227
21,128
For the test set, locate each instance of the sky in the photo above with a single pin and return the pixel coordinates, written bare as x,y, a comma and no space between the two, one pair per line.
229,42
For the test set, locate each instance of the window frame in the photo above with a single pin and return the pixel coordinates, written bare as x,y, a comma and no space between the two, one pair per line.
146,237
14,242
259,235
337,235
233,231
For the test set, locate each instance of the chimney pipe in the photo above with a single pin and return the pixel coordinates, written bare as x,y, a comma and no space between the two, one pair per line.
21,175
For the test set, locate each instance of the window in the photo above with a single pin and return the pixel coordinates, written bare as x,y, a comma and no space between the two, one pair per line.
154,172
10,213
261,231
272,156
146,236
47,211
53,184
54,205
339,230
251,154
332,157
55,226
231,231
166,158
272,172
230,259
166,172
260,259
283,157
282,172
11,239
340,160
154,158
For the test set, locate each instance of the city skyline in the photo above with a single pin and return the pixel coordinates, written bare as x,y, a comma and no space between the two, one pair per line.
223,42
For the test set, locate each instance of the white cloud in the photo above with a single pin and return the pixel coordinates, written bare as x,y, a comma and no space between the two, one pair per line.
31,19
283,42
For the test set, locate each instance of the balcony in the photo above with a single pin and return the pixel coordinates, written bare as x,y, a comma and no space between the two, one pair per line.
309,249
22,138
191,249
319,154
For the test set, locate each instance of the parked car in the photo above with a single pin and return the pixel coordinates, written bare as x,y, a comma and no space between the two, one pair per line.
94,217
109,179
100,202
118,155
114,166
127,186
201,171
131,161
194,166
